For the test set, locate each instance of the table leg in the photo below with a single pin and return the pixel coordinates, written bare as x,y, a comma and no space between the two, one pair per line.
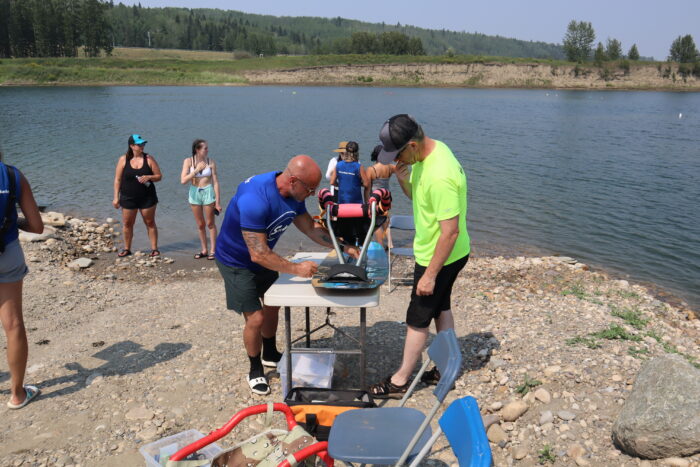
363,358
288,347
308,329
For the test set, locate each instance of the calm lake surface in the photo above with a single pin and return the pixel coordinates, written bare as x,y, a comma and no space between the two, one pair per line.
610,178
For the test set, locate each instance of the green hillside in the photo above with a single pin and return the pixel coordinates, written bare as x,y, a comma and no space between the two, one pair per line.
209,29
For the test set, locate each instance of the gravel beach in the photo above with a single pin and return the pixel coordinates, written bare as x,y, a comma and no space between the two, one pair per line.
129,351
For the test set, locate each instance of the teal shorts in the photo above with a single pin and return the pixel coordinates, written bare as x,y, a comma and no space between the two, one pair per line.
202,196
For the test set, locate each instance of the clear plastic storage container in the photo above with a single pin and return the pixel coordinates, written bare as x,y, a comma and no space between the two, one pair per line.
152,452
313,370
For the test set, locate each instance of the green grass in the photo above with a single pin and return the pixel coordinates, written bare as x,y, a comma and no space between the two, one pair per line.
670,348
546,455
527,385
585,341
631,317
638,352
576,290
616,332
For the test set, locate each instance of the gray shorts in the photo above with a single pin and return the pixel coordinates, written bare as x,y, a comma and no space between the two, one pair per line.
12,265
244,288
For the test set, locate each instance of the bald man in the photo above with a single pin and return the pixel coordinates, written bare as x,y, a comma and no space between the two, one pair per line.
262,209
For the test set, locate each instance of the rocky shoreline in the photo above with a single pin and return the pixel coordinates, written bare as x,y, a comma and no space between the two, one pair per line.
130,351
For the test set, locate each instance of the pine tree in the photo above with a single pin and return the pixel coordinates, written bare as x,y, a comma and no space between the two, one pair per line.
613,49
633,54
683,49
578,41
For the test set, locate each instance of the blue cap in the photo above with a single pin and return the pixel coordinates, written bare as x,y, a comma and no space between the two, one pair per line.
136,139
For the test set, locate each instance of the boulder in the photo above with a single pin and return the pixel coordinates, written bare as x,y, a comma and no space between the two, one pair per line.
53,218
80,263
49,232
661,416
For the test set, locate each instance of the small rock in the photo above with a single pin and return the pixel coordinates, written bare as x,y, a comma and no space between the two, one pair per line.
513,411
489,420
496,435
546,417
80,263
566,415
575,450
496,406
139,413
543,396
552,370
675,462
580,461
520,452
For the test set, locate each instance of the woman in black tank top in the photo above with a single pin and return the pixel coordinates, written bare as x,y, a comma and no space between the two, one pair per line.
134,191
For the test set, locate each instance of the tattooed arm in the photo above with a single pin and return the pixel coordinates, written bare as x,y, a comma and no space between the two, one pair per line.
261,254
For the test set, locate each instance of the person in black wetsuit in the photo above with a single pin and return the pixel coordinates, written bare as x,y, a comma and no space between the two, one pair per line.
134,191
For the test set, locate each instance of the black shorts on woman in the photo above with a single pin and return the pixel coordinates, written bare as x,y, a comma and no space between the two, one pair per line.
424,308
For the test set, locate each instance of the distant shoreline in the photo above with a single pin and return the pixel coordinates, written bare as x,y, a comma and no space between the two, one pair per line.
169,69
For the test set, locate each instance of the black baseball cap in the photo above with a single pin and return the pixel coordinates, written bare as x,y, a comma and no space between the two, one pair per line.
395,135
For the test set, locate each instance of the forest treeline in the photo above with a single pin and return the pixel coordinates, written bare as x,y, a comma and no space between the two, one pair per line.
63,28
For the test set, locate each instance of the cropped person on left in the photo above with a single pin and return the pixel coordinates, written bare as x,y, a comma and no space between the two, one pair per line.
15,188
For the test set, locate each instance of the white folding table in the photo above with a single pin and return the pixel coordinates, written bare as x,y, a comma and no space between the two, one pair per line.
291,291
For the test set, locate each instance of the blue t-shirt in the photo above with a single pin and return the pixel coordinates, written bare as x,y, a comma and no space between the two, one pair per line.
12,233
349,182
256,207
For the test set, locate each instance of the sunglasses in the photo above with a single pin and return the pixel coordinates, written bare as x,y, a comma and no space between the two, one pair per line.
310,191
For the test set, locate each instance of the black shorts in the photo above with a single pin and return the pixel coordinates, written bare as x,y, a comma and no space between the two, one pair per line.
245,288
141,202
425,308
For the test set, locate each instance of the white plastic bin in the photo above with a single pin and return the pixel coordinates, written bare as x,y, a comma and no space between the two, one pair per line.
170,445
313,370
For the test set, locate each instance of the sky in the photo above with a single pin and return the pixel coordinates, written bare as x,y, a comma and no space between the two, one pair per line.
651,24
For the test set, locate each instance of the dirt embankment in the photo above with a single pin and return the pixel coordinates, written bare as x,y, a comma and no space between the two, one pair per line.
487,75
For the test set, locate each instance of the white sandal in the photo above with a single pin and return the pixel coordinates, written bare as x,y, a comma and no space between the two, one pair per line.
257,382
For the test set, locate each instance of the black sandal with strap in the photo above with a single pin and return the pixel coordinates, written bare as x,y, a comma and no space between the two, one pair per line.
200,255
388,390
431,377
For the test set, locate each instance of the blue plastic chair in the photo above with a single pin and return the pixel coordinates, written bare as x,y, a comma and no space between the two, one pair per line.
392,435
464,429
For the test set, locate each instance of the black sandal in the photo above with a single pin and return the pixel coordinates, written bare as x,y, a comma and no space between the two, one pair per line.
124,252
200,255
154,253
211,257
388,390
431,377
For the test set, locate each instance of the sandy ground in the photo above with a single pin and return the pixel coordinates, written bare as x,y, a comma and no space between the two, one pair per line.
128,352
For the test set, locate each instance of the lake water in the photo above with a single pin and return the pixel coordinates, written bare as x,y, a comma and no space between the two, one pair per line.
610,178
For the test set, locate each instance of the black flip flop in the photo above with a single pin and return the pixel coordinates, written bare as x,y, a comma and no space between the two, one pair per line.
124,252
200,255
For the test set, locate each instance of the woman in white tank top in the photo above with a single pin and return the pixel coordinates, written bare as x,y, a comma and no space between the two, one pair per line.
200,172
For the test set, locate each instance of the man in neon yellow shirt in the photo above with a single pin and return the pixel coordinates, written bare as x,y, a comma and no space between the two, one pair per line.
437,185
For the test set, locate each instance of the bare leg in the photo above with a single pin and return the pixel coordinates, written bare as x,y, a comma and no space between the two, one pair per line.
444,321
270,320
17,348
149,218
211,225
128,218
199,220
413,347
252,339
